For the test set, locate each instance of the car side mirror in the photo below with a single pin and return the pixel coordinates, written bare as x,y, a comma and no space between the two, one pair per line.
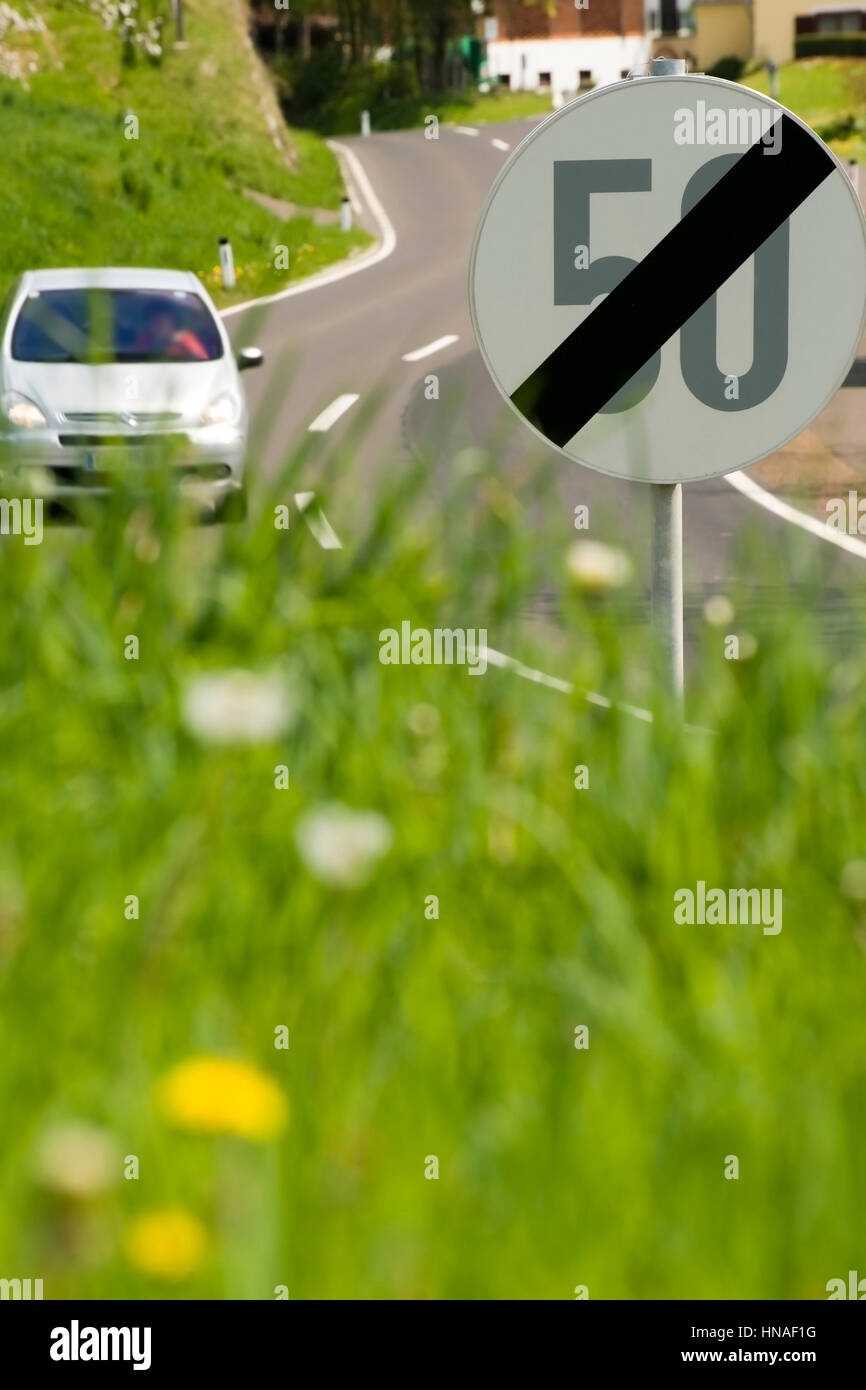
250,357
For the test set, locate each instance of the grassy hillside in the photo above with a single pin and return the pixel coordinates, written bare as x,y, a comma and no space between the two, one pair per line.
829,93
76,190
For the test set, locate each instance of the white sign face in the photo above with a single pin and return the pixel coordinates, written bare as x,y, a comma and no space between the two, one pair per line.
668,280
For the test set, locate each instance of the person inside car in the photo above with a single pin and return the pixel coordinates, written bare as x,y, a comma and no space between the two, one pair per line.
162,339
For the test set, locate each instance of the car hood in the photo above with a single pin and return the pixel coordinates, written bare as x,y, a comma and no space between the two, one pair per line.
179,390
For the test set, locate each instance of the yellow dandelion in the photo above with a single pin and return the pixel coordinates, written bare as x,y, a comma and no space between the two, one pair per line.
217,1095
167,1244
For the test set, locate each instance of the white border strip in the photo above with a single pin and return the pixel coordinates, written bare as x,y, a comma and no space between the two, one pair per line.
332,413
509,663
387,235
755,493
426,351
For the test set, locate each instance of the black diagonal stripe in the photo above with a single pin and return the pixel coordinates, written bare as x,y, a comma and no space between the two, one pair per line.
745,207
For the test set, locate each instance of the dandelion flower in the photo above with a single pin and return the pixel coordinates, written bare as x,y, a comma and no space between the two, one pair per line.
236,707
167,1244
342,847
719,611
219,1095
595,567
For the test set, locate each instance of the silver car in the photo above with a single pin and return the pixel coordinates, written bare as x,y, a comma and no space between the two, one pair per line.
103,370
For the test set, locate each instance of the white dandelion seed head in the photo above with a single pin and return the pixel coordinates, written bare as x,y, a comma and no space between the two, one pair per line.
596,567
236,707
342,847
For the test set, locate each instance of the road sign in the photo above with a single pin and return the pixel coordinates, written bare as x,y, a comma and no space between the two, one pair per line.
668,280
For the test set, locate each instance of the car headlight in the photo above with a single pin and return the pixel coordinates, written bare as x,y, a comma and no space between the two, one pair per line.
224,410
22,412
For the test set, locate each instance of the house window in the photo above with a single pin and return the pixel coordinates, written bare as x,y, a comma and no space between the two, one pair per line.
584,78
544,81
839,23
505,80
624,73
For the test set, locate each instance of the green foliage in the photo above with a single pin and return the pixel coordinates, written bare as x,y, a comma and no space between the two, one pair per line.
830,95
326,96
840,129
78,192
410,1036
329,98
729,68
830,46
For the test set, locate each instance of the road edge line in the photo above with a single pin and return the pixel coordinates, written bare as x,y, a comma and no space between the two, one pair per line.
386,245
747,487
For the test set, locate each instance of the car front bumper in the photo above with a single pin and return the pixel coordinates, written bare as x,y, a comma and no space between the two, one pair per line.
205,462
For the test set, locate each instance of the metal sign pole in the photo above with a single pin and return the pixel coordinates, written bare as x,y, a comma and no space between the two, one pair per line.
667,582
667,529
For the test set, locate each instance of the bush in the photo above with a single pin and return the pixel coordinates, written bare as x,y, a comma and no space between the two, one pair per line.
323,95
842,128
830,46
730,68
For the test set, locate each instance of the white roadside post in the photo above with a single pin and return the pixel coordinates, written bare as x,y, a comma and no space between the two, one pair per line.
227,263
345,214
667,284
773,71
365,123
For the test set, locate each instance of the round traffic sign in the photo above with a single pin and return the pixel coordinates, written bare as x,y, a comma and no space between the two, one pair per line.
668,280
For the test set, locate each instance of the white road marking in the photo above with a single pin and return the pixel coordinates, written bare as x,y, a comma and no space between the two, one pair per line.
440,343
509,663
749,488
331,414
466,130
318,522
500,144
528,673
388,241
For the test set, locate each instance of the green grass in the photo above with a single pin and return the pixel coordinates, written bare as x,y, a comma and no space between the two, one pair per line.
412,1036
473,108
77,192
823,91
463,108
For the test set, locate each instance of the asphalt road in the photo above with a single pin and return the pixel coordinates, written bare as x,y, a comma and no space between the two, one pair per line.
349,339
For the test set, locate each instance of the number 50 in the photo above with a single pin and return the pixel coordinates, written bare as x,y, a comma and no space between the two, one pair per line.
577,279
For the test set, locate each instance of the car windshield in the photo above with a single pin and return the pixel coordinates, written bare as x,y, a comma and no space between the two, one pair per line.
101,325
